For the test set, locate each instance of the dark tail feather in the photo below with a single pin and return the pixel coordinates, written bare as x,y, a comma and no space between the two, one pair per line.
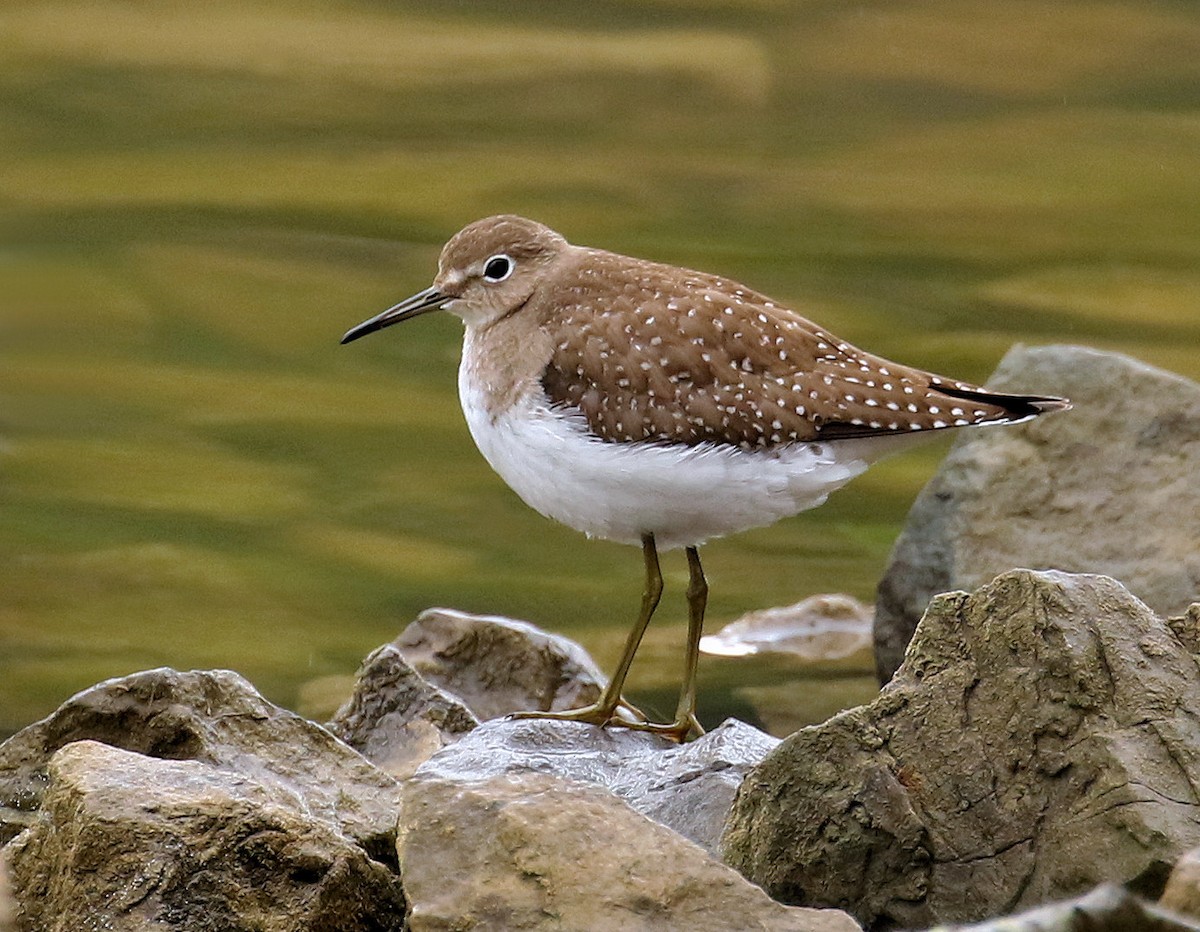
1018,407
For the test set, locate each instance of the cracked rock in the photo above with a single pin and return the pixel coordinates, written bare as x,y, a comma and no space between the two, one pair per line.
1112,486
1040,738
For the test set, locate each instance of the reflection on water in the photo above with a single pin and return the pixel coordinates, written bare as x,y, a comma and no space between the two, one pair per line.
197,205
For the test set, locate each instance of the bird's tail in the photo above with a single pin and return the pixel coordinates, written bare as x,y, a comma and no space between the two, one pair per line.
1016,407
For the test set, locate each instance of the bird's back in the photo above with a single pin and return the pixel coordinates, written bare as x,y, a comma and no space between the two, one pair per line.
654,353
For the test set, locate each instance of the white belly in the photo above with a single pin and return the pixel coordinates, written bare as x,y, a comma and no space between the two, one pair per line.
683,495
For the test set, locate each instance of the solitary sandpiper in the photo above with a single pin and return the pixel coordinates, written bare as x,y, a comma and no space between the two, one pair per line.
650,404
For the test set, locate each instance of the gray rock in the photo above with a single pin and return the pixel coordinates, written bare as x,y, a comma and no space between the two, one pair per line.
131,843
1112,486
394,718
535,852
815,630
214,717
1041,738
688,788
496,665
1108,908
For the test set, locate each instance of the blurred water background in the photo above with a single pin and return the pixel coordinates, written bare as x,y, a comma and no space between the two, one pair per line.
196,200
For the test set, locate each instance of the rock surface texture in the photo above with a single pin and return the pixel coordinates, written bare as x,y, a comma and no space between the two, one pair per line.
1112,486
497,665
688,788
132,844
396,719
536,852
214,717
1041,737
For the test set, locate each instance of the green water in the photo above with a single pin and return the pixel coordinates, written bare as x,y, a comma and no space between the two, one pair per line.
197,200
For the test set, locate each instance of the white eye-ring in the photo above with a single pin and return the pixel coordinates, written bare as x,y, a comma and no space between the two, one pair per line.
498,268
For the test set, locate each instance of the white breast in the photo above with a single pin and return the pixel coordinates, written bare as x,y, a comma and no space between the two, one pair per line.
683,495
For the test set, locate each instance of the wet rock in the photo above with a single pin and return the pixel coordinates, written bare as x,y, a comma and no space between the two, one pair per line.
1182,893
496,665
126,842
396,719
217,718
817,629
1039,739
536,852
686,787
1112,486
1108,908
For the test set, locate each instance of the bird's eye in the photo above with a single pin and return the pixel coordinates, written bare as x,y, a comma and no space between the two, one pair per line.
498,268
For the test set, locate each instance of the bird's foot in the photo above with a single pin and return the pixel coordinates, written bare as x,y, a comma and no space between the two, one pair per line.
594,714
680,731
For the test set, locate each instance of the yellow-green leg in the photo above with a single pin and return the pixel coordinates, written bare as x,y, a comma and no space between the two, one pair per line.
686,725
697,598
604,710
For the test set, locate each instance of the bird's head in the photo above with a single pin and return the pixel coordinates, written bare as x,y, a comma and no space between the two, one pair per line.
487,270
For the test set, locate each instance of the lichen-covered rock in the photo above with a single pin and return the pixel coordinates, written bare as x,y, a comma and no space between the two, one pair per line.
1112,486
1040,738
214,717
688,788
534,852
130,843
396,719
497,665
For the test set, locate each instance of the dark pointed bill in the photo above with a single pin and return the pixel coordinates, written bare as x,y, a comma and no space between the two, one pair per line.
421,303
